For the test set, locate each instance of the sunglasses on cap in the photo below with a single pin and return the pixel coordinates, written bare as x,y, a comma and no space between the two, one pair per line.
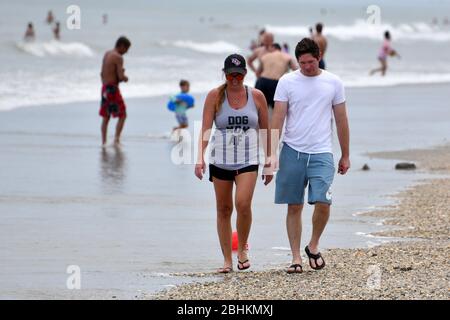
237,76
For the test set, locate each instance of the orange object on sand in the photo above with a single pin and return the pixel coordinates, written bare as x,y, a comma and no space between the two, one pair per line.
235,242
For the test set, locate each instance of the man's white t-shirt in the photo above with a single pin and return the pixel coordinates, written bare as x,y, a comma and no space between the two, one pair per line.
310,109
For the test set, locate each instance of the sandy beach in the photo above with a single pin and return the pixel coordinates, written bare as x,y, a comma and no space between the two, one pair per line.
417,268
135,221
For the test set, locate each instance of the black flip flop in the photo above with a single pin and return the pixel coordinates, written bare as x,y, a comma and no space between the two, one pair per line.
242,263
315,257
295,266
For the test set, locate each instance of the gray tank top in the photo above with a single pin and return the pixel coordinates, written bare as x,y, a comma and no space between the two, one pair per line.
235,142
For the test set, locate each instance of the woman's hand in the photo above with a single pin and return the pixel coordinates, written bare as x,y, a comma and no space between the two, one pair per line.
200,169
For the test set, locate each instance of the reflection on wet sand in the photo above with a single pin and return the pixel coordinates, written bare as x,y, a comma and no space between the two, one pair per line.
112,169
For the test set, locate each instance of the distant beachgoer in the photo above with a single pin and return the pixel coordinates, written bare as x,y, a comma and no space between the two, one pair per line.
272,67
239,113
311,33
446,21
308,100
50,18
260,37
182,107
385,51
112,74
57,31
286,47
321,41
105,18
30,34
258,53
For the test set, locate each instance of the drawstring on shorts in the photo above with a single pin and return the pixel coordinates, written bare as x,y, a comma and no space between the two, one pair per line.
307,162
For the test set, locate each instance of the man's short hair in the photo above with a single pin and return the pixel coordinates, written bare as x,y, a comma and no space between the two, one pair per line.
123,42
319,27
184,83
276,46
305,46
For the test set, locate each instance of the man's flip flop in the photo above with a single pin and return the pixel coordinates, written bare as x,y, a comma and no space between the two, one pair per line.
225,270
242,263
315,257
295,266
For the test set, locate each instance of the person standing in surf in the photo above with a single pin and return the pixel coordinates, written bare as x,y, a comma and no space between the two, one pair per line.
240,115
112,74
272,67
322,42
30,35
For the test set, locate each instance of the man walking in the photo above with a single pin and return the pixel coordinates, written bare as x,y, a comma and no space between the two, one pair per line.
308,99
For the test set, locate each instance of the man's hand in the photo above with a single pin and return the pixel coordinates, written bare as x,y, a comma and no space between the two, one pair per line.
270,167
344,165
200,169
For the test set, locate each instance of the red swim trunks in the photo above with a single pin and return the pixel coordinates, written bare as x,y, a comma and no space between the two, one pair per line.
112,102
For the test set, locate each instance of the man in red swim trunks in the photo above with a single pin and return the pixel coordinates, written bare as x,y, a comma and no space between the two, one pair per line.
112,103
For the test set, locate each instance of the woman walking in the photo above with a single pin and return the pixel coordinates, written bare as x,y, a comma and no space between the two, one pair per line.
240,115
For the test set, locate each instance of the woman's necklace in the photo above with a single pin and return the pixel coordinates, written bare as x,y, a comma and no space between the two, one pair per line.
235,100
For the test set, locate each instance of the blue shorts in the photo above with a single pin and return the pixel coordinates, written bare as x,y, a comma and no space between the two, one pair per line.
181,118
298,170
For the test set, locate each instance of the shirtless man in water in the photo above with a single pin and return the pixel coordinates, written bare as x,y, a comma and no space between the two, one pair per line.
272,67
258,53
322,43
112,103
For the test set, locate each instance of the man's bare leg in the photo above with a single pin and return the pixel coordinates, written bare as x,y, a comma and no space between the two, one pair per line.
105,130
294,230
319,221
119,128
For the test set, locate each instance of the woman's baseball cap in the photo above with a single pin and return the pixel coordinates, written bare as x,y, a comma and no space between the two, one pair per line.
234,63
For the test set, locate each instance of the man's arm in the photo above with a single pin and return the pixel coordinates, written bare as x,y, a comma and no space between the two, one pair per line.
205,133
293,64
252,58
343,132
120,70
264,133
325,45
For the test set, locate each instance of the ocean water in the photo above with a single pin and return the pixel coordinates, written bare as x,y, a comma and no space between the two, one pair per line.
129,217
179,39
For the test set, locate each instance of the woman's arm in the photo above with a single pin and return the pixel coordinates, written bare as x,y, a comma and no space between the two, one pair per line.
264,132
205,133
